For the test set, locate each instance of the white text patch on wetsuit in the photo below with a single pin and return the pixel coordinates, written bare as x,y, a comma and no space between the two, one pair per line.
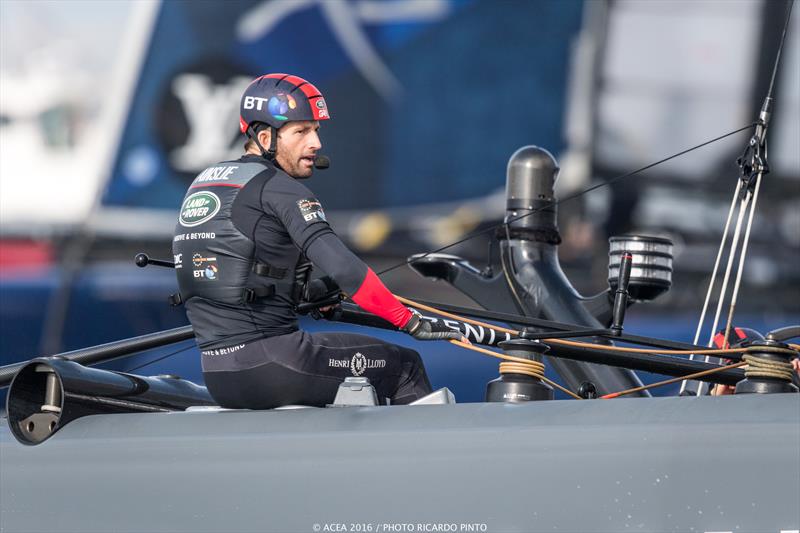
311,210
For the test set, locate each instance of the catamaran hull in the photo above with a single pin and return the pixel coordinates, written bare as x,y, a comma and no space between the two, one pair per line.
663,464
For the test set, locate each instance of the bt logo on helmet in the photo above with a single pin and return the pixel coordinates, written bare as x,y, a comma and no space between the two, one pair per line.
251,102
277,105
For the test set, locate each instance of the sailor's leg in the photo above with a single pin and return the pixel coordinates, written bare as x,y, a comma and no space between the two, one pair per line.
268,386
306,369
269,373
414,383
396,372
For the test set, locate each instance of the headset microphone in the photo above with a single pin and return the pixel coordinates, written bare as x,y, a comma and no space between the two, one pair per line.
321,162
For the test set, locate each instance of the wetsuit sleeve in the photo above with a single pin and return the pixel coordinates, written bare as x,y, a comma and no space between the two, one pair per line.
297,208
356,279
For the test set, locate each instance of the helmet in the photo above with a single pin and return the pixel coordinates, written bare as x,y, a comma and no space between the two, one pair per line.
275,99
736,337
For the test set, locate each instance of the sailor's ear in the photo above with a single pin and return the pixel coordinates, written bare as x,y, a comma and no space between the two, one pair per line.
264,137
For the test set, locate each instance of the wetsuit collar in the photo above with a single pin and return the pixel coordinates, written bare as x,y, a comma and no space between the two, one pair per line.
256,158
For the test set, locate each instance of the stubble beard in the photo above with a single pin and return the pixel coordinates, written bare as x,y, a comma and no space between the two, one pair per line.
294,169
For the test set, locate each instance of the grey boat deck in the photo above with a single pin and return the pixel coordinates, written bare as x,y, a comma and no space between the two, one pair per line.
661,464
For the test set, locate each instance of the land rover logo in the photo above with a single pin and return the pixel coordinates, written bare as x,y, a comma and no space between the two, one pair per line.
198,207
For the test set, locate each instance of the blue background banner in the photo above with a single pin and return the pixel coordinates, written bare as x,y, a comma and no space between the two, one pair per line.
426,105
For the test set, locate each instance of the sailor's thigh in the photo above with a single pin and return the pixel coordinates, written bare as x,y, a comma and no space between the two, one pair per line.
351,354
328,340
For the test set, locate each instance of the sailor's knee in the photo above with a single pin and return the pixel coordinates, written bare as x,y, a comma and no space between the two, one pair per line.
412,361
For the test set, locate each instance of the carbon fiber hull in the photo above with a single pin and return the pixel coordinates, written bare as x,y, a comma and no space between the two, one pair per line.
664,464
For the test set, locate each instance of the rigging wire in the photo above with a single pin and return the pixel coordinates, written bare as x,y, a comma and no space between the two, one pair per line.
716,262
780,48
751,164
571,197
713,280
520,217
743,205
760,365
526,367
745,242
176,352
566,199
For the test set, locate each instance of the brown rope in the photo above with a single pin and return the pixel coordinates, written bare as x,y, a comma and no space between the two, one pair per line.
564,342
580,344
474,322
672,380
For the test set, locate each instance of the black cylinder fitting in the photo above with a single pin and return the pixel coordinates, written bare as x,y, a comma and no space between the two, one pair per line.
530,182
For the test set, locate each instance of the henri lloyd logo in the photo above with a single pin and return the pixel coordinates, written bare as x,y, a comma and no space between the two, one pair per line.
198,208
357,364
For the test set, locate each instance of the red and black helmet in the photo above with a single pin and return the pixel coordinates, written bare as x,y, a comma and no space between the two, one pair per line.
736,337
275,99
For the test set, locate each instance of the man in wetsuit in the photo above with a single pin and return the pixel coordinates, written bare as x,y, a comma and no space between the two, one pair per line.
246,235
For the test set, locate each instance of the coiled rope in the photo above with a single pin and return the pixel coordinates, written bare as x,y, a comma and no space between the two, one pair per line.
759,367
524,366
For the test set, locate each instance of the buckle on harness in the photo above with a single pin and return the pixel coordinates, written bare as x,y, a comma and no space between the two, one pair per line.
250,295
267,270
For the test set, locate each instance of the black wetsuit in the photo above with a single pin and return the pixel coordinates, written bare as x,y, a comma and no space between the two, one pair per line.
244,228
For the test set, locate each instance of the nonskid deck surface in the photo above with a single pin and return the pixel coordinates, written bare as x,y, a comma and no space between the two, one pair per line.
664,464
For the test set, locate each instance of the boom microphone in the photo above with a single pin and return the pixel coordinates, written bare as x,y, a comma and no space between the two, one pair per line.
321,162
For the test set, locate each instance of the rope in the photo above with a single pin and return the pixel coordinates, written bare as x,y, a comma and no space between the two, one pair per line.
737,283
672,380
734,245
767,368
535,369
565,342
716,262
761,367
472,321
518,360
642,350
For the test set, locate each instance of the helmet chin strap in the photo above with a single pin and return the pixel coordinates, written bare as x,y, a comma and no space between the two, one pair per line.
273,142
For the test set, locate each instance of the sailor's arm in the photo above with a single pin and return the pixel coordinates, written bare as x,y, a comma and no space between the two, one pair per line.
359,281
304,219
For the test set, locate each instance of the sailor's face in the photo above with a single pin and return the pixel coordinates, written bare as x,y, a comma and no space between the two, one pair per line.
298,143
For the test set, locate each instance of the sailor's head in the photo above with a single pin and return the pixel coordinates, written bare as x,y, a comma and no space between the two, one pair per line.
737,337
280,114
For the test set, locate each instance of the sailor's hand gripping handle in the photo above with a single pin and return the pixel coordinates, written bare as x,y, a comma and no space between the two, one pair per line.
428,331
